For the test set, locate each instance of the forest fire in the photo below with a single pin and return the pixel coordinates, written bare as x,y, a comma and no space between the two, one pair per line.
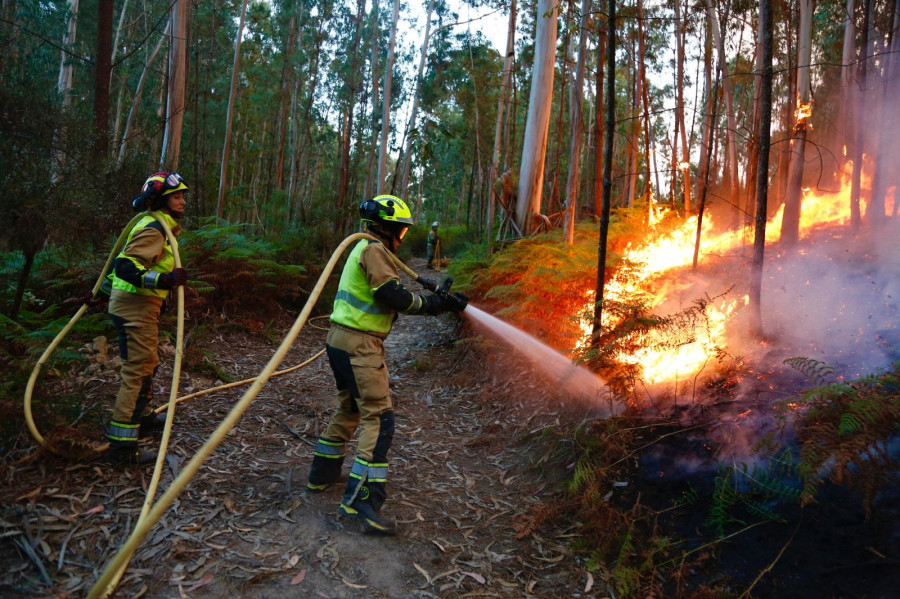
650,264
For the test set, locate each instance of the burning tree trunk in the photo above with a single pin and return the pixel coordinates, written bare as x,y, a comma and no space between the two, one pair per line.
762,173
596,329
577,127
790,223
531,176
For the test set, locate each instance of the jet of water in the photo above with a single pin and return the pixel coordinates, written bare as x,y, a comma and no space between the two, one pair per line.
576,381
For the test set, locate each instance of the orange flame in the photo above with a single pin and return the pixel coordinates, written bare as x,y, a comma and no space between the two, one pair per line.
675,249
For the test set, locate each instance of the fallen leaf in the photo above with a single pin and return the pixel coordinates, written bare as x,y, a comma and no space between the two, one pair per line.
590,583
202,582
299,577
293,561
30,495
353,585
424,573
477,577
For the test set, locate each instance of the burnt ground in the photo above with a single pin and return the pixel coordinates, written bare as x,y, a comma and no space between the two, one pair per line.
466,487
460,488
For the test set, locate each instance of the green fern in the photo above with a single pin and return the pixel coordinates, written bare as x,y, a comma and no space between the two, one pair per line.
816,371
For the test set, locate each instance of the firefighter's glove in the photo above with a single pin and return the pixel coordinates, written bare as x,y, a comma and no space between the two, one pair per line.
88,299
172,280
427,284
455,301
432,305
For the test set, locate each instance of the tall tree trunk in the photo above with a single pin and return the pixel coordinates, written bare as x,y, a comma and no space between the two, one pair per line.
226,145
596,329
64,82
685,165
404,181
386,103
644,102
344,217
752,146
790,223
598,123
762,173
848,86
531,177
886,171
370,186
136,98
105,9
502,104
287,84
177,81
577,127
862,118
728,93
706,137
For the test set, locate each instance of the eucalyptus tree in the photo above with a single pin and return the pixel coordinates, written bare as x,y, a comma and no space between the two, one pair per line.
177,81
577,126
534,148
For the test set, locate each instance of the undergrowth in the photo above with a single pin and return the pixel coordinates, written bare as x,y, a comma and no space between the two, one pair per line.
847,430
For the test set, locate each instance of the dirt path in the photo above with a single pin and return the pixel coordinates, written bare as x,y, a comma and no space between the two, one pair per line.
460,488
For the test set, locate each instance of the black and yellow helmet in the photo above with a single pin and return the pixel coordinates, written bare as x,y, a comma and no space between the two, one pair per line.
386,210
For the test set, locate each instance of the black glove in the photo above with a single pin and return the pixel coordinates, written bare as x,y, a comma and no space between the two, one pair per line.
427,284
432,305
171,280
455,301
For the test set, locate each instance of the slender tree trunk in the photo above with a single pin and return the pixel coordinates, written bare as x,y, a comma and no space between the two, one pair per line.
685,166
105,10
177,80
790,223
752,146
287,84
223,174
370,186
577,127
728,93
404,181
862,119
136,98
848,87
344,216
706,137
531,178
64,82
386,103
502,104
762,173
644,102
596,329
598,123
886,171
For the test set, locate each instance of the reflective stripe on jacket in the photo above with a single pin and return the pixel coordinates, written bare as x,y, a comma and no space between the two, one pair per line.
166,263
354,304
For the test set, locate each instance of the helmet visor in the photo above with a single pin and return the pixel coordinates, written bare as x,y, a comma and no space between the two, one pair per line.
172,180
401,233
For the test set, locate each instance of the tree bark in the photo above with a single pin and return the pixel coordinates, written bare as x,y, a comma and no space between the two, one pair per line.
177,81
223,174
762,173
502,103
531,178
105,9
861,122
386,104
596,329
343,215
685,166
790,222
577,127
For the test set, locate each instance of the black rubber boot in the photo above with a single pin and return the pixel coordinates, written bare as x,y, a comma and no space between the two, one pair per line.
326,466
151,423
127,454
373,521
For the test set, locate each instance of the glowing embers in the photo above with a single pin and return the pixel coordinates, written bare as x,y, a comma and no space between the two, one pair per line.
803,112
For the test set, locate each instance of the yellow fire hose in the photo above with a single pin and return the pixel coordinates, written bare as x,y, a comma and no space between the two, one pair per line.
110,576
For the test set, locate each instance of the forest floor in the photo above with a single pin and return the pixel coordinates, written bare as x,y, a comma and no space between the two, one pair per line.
460,489
468,486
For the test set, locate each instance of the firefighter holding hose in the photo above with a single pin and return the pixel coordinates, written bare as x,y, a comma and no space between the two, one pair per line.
368,300
141,277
